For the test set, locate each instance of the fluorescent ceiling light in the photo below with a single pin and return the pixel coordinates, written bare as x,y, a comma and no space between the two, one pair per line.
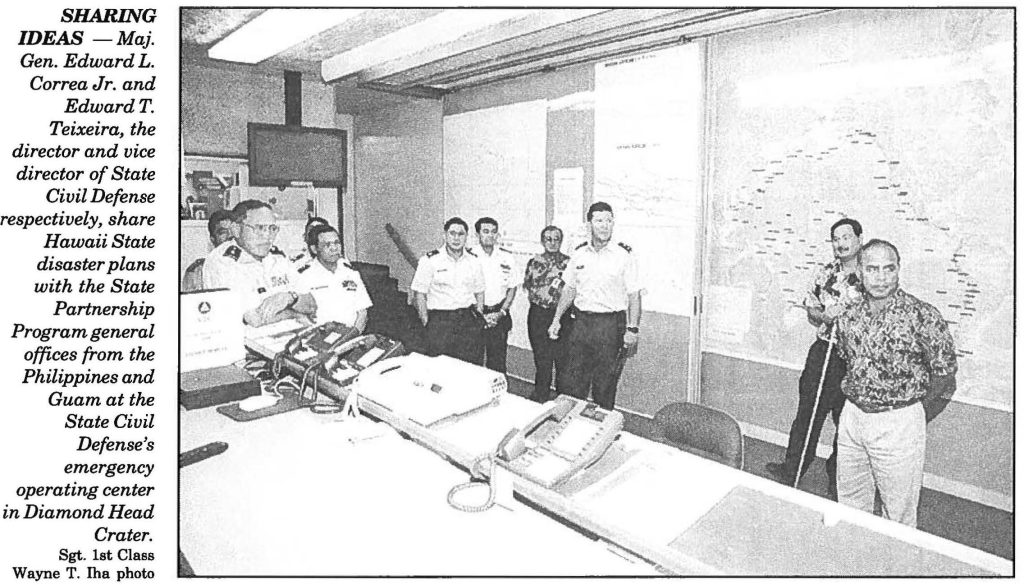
436,30
275,31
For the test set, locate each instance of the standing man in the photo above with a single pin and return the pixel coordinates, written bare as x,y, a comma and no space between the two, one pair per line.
219,227
901,368
835,286
449,292
337,288
499,291
543,285
602,281
256,269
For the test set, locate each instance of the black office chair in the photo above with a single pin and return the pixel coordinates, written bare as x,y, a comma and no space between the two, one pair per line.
703,431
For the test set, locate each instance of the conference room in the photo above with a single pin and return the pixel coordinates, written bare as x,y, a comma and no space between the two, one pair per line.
728,141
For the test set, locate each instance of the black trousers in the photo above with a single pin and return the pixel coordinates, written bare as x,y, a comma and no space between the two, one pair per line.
594,344
495,341
547,352
831,401
454,333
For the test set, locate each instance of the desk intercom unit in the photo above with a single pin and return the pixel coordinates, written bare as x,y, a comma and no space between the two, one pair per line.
566,438
428,390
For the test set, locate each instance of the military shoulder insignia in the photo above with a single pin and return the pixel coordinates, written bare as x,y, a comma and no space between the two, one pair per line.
504,249
303,268
276,250
433,253
625,247
583,245
233,252
471,252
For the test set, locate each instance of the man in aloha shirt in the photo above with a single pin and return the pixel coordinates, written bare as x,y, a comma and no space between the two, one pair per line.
901,367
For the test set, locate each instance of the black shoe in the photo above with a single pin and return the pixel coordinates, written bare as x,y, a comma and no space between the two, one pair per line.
780,472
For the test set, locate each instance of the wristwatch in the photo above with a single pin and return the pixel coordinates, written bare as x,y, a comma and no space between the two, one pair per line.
633,329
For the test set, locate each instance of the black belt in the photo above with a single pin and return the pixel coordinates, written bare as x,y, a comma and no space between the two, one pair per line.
596,314
874,409
448,311
493,308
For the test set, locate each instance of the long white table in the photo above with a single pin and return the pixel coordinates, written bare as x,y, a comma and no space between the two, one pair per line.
301,494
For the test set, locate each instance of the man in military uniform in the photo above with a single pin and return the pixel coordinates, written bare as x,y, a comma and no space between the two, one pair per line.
500,287
449,291
253,267
602,282
337,288
219,227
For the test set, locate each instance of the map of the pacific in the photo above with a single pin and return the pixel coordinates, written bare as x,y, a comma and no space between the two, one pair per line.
917,146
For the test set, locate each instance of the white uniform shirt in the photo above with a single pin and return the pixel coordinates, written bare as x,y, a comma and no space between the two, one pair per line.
499,275
230,266
603,278
339,295
448,283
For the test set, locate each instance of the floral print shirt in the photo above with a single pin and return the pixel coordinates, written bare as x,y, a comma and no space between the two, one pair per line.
891,356
831,286
543,282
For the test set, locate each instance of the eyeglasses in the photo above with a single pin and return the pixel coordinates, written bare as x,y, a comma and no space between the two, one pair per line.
263,229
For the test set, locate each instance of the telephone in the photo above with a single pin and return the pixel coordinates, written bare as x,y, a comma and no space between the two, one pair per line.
428,390
567,437
310,348
355,355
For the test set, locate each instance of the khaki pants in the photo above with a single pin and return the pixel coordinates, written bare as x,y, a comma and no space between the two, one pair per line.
883,450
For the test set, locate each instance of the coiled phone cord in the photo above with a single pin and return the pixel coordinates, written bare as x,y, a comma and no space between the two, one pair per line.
476,474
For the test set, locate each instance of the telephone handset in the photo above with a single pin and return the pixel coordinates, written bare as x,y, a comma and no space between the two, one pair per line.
566,438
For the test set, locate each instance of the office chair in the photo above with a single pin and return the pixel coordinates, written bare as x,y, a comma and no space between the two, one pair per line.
703,431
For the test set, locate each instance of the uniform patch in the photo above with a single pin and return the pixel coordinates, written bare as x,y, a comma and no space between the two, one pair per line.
350,285
233,252
625,247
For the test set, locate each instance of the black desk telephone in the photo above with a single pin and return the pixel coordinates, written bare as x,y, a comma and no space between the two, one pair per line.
567,437
311,348
354,356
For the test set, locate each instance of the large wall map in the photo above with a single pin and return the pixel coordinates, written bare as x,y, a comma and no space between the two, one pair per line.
913,137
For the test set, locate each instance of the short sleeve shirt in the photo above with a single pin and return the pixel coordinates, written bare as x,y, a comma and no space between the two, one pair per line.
891,356
448,283
603,278
543,281
498,274
254,279
339,295
832,286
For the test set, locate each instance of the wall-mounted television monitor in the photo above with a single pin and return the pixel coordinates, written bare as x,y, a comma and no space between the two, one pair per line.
280,155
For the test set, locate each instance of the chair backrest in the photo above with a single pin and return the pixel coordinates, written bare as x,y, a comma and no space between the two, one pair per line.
700,430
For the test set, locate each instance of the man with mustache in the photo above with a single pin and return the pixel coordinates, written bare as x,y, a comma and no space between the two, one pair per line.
901,368
835,286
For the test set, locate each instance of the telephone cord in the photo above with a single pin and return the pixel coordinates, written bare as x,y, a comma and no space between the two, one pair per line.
474,471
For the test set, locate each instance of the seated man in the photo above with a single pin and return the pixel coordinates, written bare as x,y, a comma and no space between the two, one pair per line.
303,258
337,288
219,227
251,265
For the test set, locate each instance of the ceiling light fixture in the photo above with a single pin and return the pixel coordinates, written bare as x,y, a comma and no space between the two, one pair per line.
275,31
437,30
